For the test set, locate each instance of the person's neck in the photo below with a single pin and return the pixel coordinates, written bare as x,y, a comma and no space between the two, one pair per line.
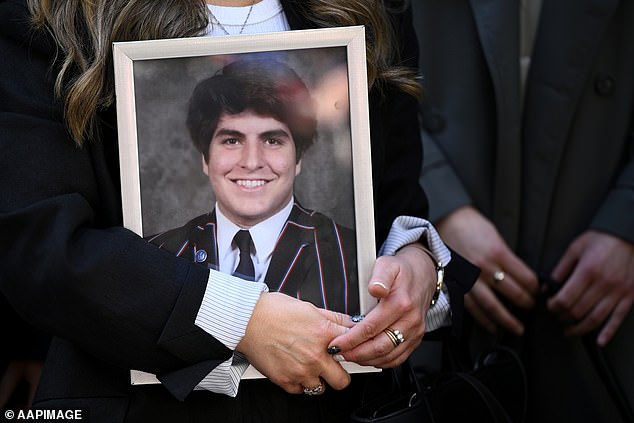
232,3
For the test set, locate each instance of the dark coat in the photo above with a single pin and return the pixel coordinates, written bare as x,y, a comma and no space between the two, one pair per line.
545,171
314,258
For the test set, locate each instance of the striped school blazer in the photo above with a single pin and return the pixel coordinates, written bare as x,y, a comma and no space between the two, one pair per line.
314,258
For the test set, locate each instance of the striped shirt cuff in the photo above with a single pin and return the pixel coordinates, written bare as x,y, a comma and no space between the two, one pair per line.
406,230
224,314
225,379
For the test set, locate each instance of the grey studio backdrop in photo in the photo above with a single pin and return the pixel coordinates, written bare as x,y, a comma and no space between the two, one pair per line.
173,186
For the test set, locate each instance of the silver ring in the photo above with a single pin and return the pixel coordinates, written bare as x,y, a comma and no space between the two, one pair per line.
314,390
395,335
498,276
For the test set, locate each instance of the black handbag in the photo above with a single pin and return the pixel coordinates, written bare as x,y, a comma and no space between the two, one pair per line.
492,391
407,401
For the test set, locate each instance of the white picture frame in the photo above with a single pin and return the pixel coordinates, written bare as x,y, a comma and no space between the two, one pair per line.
153,80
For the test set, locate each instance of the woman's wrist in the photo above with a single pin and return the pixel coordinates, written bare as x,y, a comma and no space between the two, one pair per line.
438,268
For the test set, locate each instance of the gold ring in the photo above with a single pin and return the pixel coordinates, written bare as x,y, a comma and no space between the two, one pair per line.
498,276
395,335
314,390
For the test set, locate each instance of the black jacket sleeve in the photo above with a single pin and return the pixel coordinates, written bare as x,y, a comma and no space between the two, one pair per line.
67,265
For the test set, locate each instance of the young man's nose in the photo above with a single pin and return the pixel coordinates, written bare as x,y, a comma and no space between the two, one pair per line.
251,155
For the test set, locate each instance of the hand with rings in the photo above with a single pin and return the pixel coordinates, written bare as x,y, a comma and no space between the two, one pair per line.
389,333
503,274
286,340
484,301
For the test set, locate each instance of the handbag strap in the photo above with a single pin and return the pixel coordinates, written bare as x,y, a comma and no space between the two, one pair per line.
405,379
405,402
493,387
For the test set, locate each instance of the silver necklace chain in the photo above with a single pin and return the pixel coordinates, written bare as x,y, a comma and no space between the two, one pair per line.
244,24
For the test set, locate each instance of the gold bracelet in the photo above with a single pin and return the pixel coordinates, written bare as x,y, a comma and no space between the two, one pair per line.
440,275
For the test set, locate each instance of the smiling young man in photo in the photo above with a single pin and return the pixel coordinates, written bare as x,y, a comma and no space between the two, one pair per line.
251,166
252,123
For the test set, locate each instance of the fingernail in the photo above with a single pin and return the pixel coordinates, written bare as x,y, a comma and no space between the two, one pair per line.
357,318
334,350
381,284
338,357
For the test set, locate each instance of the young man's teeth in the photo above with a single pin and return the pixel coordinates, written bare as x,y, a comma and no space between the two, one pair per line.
250,184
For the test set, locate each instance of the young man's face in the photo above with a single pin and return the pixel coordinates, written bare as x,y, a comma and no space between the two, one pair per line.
251,166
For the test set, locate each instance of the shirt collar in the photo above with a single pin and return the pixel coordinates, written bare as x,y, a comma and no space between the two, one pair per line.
264,234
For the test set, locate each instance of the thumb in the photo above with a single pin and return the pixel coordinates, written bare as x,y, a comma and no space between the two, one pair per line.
384,273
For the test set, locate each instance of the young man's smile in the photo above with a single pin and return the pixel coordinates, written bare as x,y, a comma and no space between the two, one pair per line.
250,184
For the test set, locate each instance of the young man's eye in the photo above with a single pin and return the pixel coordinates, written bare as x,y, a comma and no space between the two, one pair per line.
231,141
273,141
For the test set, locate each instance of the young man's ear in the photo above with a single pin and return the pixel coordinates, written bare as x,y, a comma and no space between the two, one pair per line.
298,167
205,165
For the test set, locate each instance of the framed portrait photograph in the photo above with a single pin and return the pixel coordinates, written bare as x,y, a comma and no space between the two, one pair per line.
255,150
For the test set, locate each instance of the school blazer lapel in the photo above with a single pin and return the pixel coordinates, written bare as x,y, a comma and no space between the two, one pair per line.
311,262
202,241
290,260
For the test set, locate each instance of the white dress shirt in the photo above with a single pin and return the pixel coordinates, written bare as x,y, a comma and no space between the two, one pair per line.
264,236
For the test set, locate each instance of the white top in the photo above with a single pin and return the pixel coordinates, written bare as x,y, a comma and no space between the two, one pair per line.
265,16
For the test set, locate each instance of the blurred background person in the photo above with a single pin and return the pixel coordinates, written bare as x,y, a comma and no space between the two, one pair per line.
529,169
